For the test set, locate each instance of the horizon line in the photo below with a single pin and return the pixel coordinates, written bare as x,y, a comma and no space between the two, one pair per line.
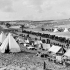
30,20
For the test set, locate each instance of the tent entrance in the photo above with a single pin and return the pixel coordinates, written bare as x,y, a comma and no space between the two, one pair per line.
7,50
61,51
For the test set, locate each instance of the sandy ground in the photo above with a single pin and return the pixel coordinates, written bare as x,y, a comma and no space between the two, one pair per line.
26,61
20,61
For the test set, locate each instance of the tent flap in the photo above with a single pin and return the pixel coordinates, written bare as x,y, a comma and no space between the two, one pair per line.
2,37
13,46
4,45
67,53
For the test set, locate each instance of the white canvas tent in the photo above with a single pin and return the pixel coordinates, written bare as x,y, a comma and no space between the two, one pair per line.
59,58
11,43
46,46
65,30
30,47
38,42
2,37
67,53
54,49
27,41
55,30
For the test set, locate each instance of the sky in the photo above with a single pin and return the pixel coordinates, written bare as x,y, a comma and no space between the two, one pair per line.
34,9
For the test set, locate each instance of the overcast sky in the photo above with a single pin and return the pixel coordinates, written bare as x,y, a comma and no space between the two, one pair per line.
34,9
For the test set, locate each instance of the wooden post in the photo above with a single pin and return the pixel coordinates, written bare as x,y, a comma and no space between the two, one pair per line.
40,38
44,67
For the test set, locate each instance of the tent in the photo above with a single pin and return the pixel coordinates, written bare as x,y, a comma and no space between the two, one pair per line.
27,41
65,30
2,37
25,44
54,49
67,53
30,47
46,46
58,58
55,30
37,42
9,44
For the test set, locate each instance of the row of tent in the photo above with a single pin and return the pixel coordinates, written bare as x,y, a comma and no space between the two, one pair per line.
56,30
8,43
49,36
55,49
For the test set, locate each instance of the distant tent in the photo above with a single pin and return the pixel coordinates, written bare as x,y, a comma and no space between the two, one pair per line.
9,44
54,49
46,46
35,42
25,44
30,47
27,41
55,30
39,42
65,30
59,58
67,53
2,37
